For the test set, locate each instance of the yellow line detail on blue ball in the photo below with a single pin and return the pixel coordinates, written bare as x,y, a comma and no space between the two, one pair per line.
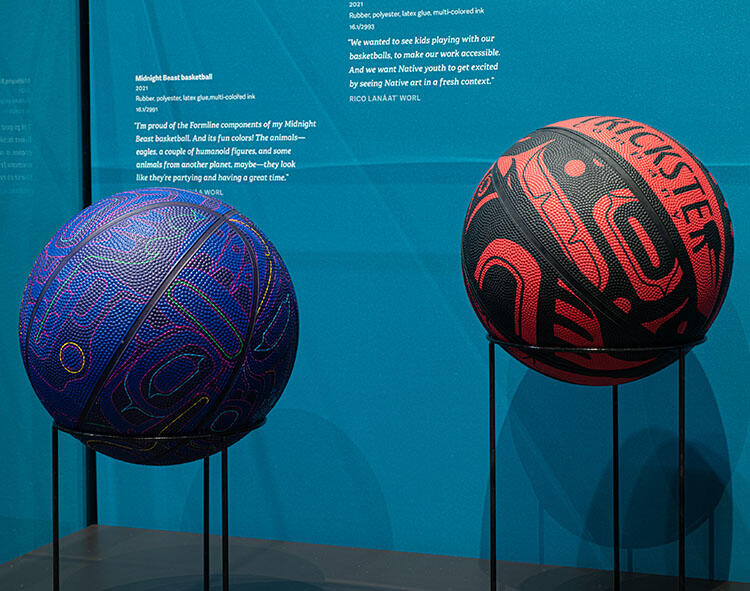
83,358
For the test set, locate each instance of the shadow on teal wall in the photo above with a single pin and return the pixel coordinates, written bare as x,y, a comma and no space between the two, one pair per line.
555,468
380,439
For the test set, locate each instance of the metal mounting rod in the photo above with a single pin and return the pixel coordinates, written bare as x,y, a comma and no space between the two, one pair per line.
493,484
616,574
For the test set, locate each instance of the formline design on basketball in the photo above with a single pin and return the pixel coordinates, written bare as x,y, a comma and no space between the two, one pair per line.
597,232
149,315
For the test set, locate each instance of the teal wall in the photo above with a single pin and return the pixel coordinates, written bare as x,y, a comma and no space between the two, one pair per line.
39,103
380,438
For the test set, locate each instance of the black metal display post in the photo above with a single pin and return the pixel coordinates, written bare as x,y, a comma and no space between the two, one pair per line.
616,572
86,191
224,496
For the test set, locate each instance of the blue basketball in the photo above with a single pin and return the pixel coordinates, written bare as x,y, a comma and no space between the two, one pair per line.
159,313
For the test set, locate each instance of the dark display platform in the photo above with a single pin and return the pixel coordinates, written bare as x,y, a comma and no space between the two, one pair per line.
106,558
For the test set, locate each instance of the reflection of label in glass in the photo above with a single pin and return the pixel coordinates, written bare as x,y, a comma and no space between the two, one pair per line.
16,138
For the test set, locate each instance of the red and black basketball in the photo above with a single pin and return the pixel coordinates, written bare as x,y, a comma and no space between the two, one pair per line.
597,232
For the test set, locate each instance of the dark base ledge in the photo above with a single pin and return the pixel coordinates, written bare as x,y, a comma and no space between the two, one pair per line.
106,558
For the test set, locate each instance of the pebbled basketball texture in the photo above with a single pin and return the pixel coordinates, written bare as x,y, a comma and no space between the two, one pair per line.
159,312
597,232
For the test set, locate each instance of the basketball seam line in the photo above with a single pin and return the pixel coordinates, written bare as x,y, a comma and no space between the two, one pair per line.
150,305
254,318
66,259
621,168
467,272
570,280
243,353
470,287
728,238
286,272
